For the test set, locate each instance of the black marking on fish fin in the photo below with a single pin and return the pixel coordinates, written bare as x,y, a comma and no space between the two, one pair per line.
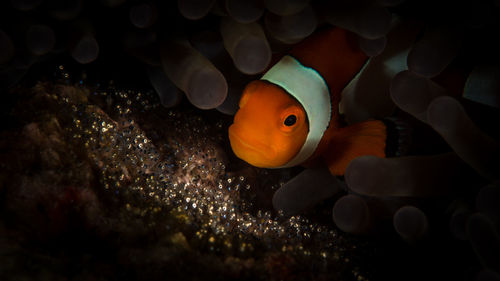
399,137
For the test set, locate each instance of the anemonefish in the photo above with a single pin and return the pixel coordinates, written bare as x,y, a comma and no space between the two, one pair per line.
291,115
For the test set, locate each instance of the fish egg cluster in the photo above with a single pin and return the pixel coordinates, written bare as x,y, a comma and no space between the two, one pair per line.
167,171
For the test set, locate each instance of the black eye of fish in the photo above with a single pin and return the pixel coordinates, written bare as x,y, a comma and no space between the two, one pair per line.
290,120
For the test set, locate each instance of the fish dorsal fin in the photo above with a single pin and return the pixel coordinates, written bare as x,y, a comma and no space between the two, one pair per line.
311,91
334,53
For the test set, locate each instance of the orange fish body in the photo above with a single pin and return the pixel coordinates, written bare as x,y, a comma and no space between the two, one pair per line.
290,116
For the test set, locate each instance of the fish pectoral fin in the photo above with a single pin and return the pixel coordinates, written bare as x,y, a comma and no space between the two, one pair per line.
364,138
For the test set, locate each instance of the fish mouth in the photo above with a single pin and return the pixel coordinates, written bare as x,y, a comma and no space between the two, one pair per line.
257,153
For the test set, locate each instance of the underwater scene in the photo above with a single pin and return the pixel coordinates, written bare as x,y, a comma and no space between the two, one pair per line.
249,140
